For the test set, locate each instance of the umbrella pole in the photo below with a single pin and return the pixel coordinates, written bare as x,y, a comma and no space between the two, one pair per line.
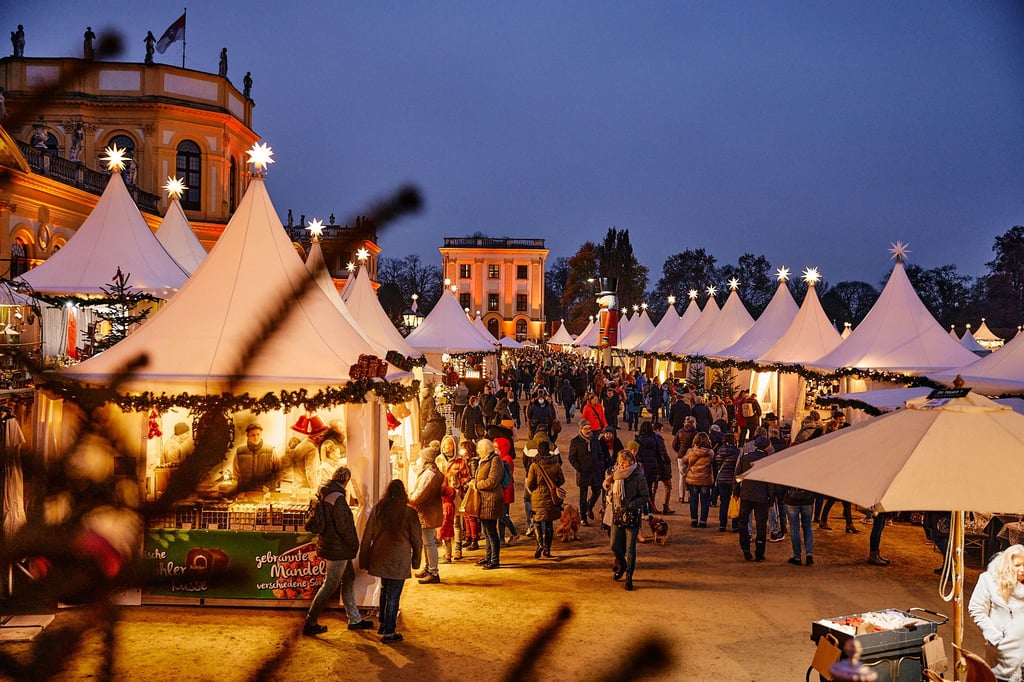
957,536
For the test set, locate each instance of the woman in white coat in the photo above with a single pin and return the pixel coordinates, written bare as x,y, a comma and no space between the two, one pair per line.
997,607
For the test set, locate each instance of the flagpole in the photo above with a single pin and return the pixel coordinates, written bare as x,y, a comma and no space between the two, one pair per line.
183,31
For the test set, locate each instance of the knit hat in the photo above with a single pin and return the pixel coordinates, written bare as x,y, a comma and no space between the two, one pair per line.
762,443
428,454
716,427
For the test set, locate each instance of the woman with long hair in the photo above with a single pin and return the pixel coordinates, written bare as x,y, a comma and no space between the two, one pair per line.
997,595
542,481
629,496
700,476
391,549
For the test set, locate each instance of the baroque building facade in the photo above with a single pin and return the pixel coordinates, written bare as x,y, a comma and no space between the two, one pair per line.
500,279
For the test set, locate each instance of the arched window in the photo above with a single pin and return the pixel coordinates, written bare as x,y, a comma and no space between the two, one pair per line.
189,167
520,329
124,142
19,257
492,327
232,184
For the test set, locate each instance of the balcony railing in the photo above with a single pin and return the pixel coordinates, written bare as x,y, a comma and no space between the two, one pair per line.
50,165
492,243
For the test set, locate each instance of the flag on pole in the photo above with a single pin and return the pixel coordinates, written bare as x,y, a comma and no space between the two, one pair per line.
174,32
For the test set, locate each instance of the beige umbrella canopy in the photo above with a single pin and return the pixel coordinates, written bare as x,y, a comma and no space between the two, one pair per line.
953,450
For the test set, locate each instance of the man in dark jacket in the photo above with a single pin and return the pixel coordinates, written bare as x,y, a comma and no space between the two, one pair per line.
337,545
702,414
540,411
488,403
587,458
612,405
679,411
567,394
755,496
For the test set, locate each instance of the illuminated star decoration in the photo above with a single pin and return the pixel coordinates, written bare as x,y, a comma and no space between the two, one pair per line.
260,156
114,157
734,284
351,267
316,229
643,306
635,307
175,187
692,293
899,251
782,274
812,276
362,255
671,299
712,291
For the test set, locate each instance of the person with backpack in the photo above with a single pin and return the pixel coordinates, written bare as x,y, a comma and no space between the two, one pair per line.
337,545
634,406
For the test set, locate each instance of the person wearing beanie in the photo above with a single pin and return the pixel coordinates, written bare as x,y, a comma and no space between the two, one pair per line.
755,497
426,500
337,545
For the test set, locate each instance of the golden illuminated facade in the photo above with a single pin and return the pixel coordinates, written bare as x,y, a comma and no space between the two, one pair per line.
502,279
173,122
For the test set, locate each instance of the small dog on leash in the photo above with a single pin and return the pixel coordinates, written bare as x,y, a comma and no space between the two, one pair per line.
569,525
659,528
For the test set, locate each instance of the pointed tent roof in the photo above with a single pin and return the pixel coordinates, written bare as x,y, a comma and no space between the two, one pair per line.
732,322
847,330
686,321
363,306
482,328
808,337
195,341
1001,371
983,333
769,328
664,327
624,324
561,337
177,237
898,334
590,336
315,263
114,235
700,326
447,330
639,330
970,343
509,342
952,332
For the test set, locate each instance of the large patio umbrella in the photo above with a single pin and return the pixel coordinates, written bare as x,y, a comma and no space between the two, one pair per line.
953,450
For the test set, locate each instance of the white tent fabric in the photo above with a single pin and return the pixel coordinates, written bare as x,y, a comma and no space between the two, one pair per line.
639,329
114,235
952,332
970,343
731,323
484,332
583,334
591,336
686,321
703,324
983,334
561,337
898,334
664,327
195,342
769,328
447,330
363,306
1001,371
809,336
177,237
508,342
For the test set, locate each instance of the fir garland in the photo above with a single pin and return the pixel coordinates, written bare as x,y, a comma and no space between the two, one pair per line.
352,392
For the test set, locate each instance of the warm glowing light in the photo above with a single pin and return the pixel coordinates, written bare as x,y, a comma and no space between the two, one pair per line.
671,299
260,156
455,288
447,282
692,293
351,267
782,274
175,187
114,157
415,297
316,229
899,251
734,284
812,276
636,308
362,255
712,291
643,306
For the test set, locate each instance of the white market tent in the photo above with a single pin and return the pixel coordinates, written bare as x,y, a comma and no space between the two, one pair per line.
952,332
665,326
508,343
1001,371
625,322
562,337
686,320
898,334
113,235
639,329
767,330
177,237
447,329
589,337
362,306
484,331
682,344
986,337
194,343
970,343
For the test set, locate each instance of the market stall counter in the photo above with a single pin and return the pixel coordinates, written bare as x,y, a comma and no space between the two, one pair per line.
891,640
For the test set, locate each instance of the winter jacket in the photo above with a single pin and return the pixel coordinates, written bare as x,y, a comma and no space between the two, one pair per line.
647,456
719,411
488,402
587,458
536,413
488,483
544,506
634,401
433,423
726,456
390,552
699,466
611,403
1002,624
339,539
702,414
567,394
753,491
594,413
425,497
472,422
636,493
504,446
677,415
683,440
